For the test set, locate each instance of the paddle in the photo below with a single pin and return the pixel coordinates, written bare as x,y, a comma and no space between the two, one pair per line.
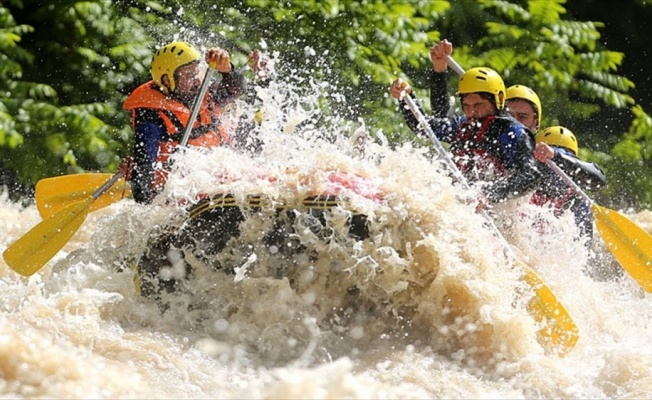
629,243
56,193
558,326
30,252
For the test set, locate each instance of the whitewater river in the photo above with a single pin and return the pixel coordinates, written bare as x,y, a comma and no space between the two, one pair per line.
425,307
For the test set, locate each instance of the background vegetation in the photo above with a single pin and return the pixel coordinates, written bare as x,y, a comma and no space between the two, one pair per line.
66,66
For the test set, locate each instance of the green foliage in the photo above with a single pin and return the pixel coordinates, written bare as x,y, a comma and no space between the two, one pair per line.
91,55
358,46
629,165
560,59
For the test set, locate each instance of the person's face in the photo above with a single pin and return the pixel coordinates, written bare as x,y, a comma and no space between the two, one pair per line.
476,107
523,112
189,78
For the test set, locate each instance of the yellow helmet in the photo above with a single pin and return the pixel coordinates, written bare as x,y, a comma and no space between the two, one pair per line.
168,59
560,137
525,93
483,79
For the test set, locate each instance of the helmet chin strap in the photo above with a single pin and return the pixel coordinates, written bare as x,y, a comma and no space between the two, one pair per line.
165,80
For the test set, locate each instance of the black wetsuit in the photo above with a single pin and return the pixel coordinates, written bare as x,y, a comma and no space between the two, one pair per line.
556,193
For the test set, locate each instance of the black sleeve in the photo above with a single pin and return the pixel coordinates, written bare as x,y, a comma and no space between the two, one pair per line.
439,103
141,177
443,128
251,95
246,136
232,86
587,175
525,177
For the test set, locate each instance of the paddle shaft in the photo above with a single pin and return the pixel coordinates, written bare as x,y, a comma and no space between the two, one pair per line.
107,185
196,106
454,66
567,179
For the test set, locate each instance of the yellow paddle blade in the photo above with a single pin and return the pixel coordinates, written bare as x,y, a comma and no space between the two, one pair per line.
558,331
33,250
54,194
629,243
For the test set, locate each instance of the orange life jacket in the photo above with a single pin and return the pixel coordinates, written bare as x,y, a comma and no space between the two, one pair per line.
206,131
